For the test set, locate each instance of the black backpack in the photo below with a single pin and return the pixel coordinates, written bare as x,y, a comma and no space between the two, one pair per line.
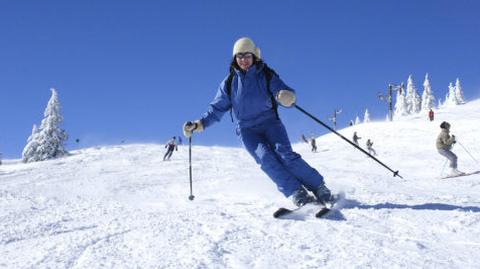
269,73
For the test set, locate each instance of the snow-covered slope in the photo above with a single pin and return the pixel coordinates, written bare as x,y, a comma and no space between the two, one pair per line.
123,207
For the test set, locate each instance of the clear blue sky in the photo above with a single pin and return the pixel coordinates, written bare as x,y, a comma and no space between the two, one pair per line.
136,70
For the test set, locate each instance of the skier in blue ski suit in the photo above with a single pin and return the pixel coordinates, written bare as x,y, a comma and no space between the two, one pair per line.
258,126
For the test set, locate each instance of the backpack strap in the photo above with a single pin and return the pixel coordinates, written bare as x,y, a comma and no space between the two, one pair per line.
228,88
269,73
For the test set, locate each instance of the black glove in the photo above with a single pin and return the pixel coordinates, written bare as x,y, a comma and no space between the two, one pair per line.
453,139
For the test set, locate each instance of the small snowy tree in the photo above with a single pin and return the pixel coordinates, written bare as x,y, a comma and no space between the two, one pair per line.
428,100
32,145
366,117
357,120
400,104
459,92
451,98
47,141
412,99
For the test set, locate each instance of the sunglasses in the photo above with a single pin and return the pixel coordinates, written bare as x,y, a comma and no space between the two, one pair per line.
246,55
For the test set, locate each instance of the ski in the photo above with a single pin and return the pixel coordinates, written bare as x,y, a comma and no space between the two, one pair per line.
319,210
286,213
462,175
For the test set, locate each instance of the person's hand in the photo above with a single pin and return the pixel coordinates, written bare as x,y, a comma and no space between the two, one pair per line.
286,98
190,127
454,139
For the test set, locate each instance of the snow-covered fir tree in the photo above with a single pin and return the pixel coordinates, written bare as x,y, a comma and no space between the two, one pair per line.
412,99
366,117
459,92
357,120
32,143
400,103
428,100
46,142
451,97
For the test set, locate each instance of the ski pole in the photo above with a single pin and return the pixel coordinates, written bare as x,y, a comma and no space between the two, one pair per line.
191,197
445,164
467,151
395,173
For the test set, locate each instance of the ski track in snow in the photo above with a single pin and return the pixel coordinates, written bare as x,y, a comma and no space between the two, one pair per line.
123,207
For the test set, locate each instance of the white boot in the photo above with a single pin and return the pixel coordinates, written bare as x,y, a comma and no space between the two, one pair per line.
454,172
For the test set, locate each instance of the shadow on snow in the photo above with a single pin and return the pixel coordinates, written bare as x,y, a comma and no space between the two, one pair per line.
428,206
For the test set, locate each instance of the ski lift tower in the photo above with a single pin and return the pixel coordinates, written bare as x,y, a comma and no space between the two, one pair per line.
334,118
388,98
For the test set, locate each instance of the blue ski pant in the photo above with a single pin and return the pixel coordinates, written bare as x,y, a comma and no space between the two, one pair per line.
269,145
450,156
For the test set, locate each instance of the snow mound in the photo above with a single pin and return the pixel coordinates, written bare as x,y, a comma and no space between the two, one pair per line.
123,207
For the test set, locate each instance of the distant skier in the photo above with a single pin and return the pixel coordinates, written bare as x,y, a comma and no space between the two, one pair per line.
314,144
356,138
180,140
430,115
370,148
170,146
252,92
444,145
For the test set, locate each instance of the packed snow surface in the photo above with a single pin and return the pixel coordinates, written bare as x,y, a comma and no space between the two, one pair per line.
123,207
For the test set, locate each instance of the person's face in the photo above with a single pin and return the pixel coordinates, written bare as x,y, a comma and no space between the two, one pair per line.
244,60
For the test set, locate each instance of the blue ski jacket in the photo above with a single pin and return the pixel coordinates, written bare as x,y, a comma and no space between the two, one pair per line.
262,134
250,99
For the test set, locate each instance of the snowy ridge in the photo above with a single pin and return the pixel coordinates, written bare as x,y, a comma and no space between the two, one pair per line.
123,207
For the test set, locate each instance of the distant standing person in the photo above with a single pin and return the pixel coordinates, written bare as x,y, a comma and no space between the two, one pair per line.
430,115
170,146
369,147
444,145
314,144
180,140
356,138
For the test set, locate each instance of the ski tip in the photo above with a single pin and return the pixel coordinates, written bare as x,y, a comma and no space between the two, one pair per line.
322,212
280,212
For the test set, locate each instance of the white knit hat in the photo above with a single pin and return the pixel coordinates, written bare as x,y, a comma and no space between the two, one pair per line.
245,44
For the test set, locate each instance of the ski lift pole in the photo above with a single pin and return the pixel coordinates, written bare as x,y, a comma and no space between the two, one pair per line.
191,197
395,173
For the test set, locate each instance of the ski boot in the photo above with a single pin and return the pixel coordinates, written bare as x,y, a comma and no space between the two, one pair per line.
324,195
454,172
301,197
